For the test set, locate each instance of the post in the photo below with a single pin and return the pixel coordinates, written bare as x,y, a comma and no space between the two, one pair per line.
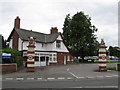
102,56
31,55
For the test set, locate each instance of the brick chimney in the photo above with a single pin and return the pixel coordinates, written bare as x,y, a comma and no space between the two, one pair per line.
17,23
53,30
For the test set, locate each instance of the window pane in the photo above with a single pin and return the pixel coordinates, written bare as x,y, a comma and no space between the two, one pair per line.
54,59
36,58
58,43
50,59
42,58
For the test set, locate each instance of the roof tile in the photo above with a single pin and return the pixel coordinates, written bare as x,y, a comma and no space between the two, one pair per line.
40,37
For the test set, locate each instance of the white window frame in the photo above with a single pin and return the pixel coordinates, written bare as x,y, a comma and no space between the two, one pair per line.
53,56
43,45
59,43
68,58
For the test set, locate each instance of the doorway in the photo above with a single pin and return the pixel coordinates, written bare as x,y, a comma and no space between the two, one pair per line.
65,58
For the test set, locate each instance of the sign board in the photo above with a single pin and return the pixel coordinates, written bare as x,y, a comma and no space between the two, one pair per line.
6,55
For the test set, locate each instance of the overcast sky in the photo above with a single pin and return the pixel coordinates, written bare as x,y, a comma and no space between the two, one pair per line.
41,15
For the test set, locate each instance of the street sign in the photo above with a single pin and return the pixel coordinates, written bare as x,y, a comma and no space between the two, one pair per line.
6,55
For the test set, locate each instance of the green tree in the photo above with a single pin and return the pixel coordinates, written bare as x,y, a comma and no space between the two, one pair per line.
114,51
3,42
66,29
79,36
16,56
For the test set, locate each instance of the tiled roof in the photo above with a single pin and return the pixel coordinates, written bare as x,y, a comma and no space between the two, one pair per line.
40,37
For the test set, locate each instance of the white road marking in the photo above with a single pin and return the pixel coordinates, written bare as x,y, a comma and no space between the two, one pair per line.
115,75
101,87
9,78
76,87
109,70
39,78
30,78
19,78
69,78
108,76
89,77
81,77
110,86
99,76
61,78
50,78
68,69
73,75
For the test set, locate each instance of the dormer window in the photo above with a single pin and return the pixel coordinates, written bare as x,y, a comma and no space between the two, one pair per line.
58,44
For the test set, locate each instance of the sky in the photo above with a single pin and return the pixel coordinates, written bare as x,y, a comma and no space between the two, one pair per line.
41,15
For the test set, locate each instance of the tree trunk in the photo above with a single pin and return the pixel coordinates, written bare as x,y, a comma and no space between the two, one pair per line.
76,57
82,58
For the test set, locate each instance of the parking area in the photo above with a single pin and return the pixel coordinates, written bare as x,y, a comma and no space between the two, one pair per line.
61,72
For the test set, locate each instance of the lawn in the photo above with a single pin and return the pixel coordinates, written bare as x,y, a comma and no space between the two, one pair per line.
109,62
112,68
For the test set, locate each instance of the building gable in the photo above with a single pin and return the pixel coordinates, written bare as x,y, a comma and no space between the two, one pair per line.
13,39
63,47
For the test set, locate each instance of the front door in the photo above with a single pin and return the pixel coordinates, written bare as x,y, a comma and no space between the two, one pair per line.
65,59
37,62
47,61
42,61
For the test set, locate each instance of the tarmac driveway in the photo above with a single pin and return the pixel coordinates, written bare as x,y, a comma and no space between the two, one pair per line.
74,71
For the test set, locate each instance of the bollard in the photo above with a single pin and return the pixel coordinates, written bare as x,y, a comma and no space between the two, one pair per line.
102,56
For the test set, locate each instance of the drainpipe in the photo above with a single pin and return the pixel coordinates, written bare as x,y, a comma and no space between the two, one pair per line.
22,47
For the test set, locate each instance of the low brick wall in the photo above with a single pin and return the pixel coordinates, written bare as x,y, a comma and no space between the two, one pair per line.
20,68
52,64
8,67
70,62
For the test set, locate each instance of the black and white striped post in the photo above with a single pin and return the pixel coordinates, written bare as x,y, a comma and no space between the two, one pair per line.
31,55
102,56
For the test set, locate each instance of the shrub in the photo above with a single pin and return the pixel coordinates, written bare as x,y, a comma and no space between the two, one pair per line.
16,56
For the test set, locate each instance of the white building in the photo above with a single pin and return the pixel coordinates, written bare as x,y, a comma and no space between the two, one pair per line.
50,48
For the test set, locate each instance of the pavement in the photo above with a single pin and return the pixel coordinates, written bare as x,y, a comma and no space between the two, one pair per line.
63,72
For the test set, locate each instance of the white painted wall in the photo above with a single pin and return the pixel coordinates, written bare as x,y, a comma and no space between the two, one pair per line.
10,43
20,44
25,44
59,38
47,47
63,47
38,46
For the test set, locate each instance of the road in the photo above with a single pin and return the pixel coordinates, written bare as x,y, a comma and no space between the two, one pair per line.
81,83
66,76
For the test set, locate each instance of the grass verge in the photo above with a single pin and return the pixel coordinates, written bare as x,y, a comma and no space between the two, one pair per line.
112,68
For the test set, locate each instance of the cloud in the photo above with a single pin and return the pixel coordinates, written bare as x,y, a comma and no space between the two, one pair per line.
41,15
